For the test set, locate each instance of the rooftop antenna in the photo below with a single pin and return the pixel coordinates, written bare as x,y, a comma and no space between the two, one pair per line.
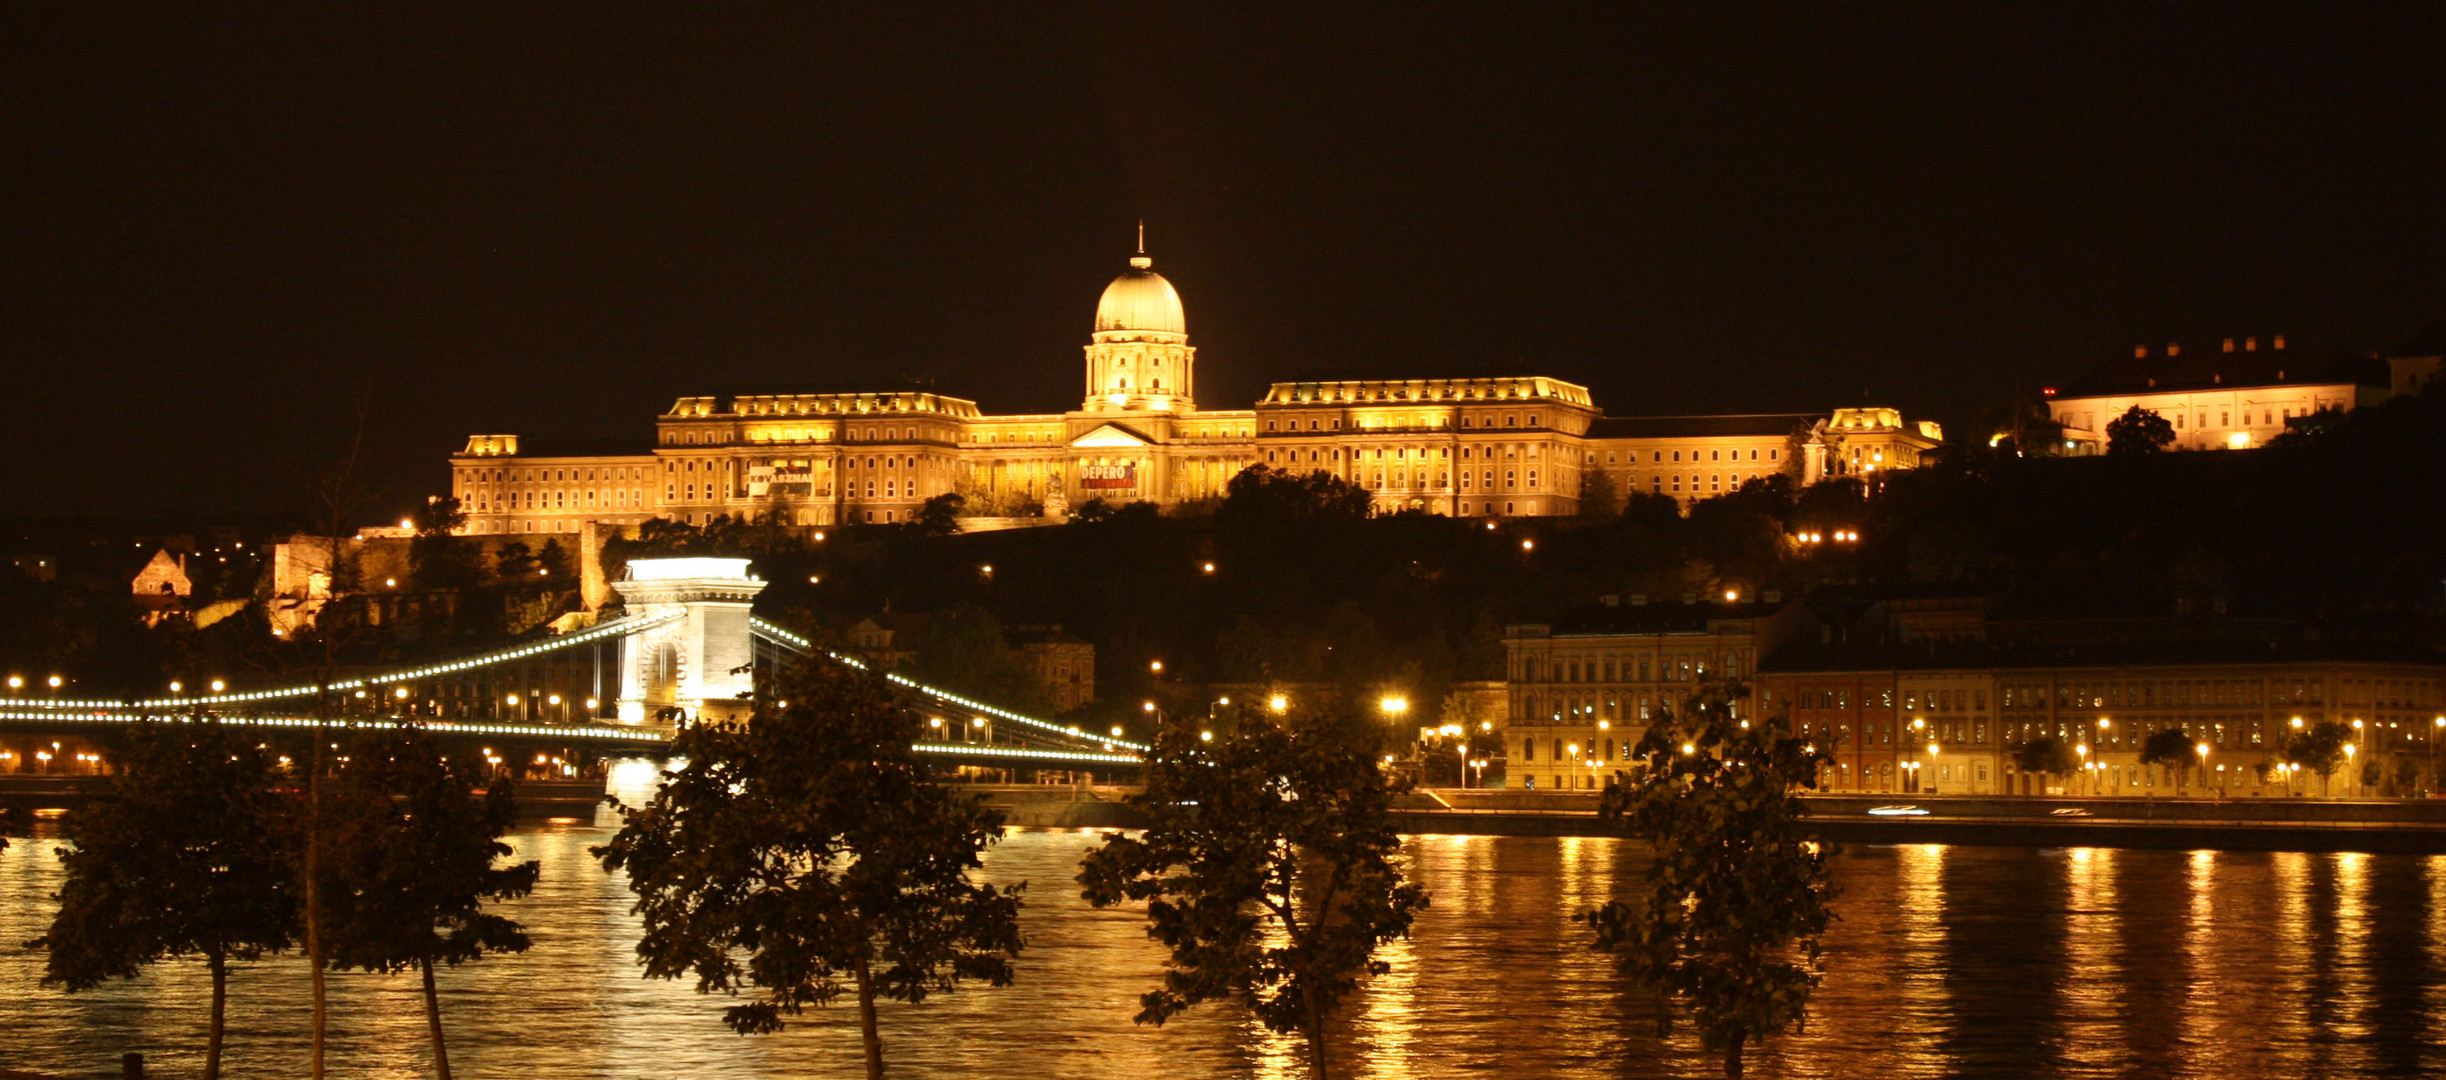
1142,236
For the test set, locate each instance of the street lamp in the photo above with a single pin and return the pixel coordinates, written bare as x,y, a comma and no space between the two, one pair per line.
1394,706
2203,749
2348,766
2083,750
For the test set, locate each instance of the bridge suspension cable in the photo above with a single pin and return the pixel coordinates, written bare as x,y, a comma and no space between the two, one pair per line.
785,637
597,632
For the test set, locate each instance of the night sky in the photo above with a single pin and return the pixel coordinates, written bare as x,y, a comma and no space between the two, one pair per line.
221,232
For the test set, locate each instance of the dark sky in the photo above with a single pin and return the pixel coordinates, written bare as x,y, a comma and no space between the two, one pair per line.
220,231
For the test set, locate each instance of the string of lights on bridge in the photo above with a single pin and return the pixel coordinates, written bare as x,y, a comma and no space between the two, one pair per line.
614,628
796,641
443,727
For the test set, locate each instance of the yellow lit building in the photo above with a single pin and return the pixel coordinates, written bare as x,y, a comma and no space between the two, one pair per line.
2232,398
1513,446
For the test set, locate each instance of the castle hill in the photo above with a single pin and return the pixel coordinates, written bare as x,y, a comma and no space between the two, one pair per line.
1676,546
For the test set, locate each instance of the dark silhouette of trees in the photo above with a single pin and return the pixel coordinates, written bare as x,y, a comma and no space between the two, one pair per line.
2172,748
2319,748
415,861
808,846
1597,495
2022,426
940,516
1275,830
2138,431
2045,755
1738,892
189,855
1266,497
438,560
963,649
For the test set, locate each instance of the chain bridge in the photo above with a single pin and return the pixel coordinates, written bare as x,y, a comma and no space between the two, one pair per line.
686,648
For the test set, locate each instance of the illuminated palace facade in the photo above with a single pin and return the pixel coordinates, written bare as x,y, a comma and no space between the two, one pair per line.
1514,446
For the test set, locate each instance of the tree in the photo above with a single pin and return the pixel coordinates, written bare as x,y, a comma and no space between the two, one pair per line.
2319,748
1265,868
438,558
187,856
2023,427
515,562
554,566
1737,892
1653,511
2046,755
940,516
2138,431
410,883
963,649
2169,747
808,845
1264,496
1597,493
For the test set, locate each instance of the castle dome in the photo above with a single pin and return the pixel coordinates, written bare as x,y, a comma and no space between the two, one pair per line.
1140,300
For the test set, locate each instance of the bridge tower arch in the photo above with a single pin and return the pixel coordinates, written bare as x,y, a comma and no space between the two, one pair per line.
694,663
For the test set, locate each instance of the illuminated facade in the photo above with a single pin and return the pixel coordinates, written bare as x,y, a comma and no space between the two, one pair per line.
1937,704
1516,446
2236,398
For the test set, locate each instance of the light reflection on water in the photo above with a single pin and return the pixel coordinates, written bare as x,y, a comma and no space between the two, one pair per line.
1946,962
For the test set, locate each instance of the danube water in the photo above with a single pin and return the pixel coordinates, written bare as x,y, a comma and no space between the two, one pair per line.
1968,962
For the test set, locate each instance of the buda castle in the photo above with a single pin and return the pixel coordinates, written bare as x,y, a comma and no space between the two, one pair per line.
1503,446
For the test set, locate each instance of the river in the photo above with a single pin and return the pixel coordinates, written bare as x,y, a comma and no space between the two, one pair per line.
1970,962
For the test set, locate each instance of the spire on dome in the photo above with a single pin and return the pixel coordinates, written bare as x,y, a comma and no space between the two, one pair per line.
1141,261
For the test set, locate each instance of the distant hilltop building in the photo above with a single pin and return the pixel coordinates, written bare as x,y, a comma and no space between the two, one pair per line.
2232,397
1509,446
